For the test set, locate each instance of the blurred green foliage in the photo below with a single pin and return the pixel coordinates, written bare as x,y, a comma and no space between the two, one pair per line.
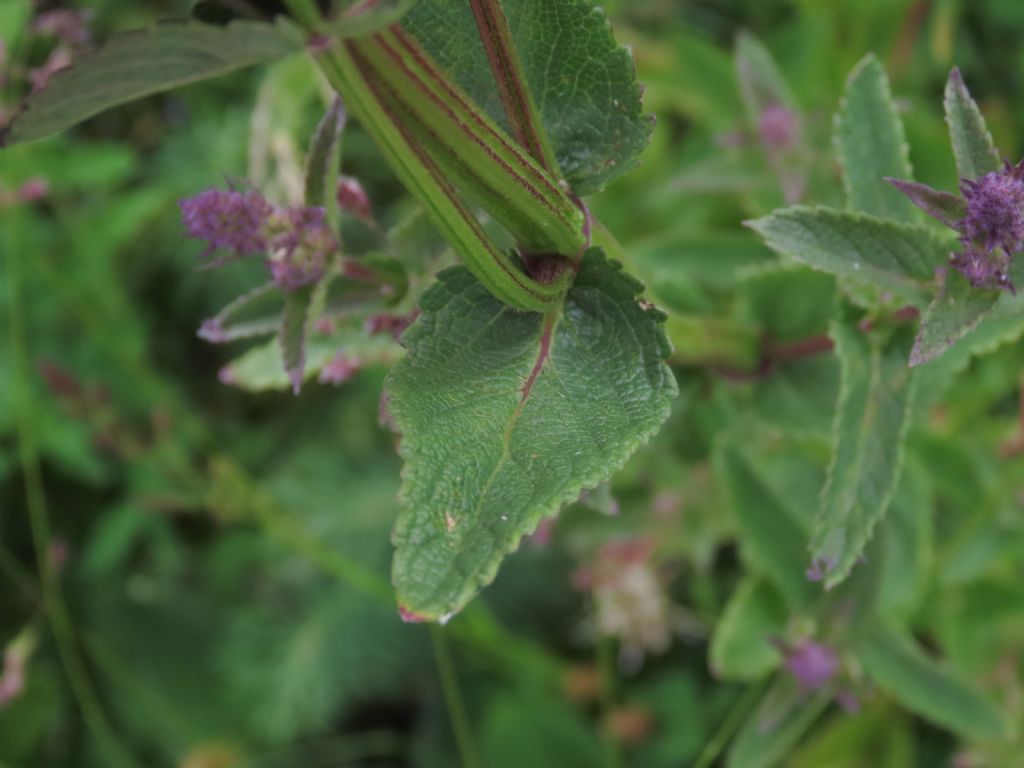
224,554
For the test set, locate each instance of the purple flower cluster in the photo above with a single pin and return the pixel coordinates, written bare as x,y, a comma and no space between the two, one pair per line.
778,127
993,229
990,224
812,664
300,247
232,220
298,240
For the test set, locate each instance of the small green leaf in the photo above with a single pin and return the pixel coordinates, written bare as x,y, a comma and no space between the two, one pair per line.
891,255
954,312
292,336
261,370
506,416
137,64
872,417
773,541
583,82
742,646
323,162
975,153
946,207
1003,325
784,714
900,667
255,313
871,144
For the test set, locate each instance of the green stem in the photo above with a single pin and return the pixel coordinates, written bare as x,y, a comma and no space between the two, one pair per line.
421,176
520,108
53,598
468,754
730,725
605,653
486,164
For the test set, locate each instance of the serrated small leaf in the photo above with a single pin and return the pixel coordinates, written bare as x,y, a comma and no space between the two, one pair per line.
505,416
260,369
742,647
872,145
975,153
891,255
1003,325
141,63
583,82
946,207
783,715
901,668
957,310
773,541
872,417
322,163
292,335
255,313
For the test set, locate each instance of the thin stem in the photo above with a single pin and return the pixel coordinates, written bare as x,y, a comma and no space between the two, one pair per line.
469,756
53,599
523,118
605,653
732,722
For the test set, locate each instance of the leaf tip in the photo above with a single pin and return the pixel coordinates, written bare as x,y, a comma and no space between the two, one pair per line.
411,617
295,377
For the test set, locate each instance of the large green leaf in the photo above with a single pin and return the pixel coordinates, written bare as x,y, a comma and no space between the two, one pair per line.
583,82
871,144
137,64
872,418
773,541
891,255
742,646
507,415
261,368
781,718
975,153
920,684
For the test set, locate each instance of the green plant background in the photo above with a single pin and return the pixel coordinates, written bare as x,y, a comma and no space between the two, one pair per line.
227,553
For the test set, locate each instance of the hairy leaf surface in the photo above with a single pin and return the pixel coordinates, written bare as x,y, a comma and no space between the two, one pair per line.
891,255
507,415
975,153
872,418
872,145
954,312
141,63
